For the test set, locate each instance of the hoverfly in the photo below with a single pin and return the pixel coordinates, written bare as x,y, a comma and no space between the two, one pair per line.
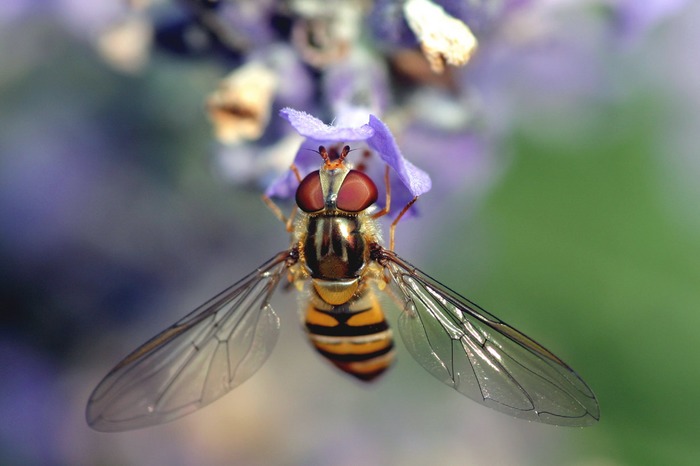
336,248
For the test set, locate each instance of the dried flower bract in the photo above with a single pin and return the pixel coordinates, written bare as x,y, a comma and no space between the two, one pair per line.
240,107
444,39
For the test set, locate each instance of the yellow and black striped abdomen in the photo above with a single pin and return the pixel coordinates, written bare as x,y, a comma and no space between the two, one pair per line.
354,336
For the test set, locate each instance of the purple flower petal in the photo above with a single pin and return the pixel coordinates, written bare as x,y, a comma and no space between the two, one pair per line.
360,83
283,187
636,18
311,127
387,24
415,179
408,181
306,161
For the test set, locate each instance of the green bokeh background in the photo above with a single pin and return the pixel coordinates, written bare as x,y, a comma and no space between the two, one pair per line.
588,241
593,243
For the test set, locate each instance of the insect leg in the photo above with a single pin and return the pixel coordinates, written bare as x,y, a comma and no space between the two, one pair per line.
387,203
392,229
288,221
295,170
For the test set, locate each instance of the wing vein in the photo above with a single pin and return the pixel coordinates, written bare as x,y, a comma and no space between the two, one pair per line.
180,369
509,371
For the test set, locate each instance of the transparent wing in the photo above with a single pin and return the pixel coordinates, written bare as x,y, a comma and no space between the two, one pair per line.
195,361
484,358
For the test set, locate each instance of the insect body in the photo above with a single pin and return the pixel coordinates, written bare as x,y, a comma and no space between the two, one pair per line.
344,320
336,250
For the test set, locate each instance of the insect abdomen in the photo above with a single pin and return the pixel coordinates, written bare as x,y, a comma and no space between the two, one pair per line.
354,336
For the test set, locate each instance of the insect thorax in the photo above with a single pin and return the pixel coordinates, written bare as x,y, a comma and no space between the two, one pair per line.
334,247
334,251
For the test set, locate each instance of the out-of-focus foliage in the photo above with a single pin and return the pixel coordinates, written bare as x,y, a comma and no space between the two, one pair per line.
581,229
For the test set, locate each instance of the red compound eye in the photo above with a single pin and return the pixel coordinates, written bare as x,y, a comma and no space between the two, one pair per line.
357,192
309,193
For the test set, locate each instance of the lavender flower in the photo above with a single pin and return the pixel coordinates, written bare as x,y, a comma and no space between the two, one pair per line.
98,244
445,69
634,18
458,114
373,137
305,54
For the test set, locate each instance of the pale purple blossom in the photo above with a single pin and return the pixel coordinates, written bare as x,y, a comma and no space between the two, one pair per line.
407,180
114,228
324,68
635,18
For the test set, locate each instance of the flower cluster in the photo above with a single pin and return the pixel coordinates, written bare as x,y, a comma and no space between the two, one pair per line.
371,138
101,246
364,67
432,70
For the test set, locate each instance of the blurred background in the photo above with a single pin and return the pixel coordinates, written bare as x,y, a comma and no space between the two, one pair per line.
566,202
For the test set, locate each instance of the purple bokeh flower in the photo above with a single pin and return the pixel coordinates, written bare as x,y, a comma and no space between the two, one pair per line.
634,18
346,61
108,213
407,180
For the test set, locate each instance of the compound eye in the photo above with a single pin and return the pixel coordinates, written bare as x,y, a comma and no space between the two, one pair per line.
357,193
309,193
